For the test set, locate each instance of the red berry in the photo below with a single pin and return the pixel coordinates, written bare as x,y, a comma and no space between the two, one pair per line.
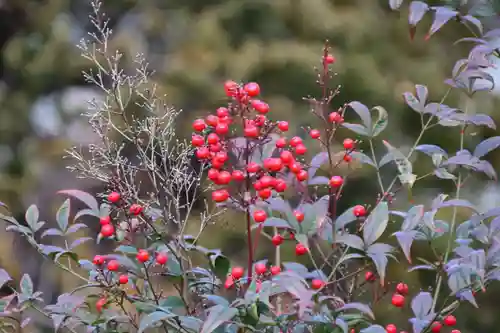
267,181
280,185
348,144
220,195
215,148
402,288
237,272
229,282
359,211
455,331
231,88
265,193
251,131
221,128
197,141
347,158
114,197
300,149
295,167
302,175
98,260
212,120
317,284
253,167
273,164
100,304
202,153
213,174
123,279
281,143
335,117
286,156
107,230
259,216
252,89
142,256
222,112
398,300
260,106
299,216
212,138
199,125
329,59
283,126
275,270
450,320
161,258
135,209
336,181
222,156
224,177
315,134
369,276
391,328
238,175
260,268
295,141
113,265
277,240
217,163
300,249
105,220
258,185
436,327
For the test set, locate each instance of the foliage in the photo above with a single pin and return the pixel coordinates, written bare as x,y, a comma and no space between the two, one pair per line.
253,169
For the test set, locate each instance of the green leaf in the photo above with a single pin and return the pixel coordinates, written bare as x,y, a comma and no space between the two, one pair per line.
376,223
218,315
381,122
220,264
31,216
357,128
26,285
153,318
62,216
126,249
172,302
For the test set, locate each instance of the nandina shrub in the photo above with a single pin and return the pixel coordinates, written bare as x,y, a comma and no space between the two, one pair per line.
254,168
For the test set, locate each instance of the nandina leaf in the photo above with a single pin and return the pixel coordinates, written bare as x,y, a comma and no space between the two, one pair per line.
365,309
417,11
442,15
217,316
381,122
62,216
4,277
405,167
357,128
26,285
373,329
421,305
32,215
350,240
413,218
151,319
395,4
85,197
405,240
345,218
364,113
376,223
487,146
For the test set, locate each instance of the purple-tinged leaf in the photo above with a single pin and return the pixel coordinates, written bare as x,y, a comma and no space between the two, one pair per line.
376,223
459,279
124,261
317,161
345,218
153,318
417,12
293,283
442,15
431,150
278,204
350,256
471,39
487,169
86,264
458,203
357,128
405,240
475,21
442,173
52,232
413,102
421,305
363,112
51,249
350,240
373,329
487,146
276,222
482,119
84,197
32,215
419,325
468,296
85,212
62,216
320,180
296,267
363,308
387,158
422,267
395,4
380,260
75,227
413,218
316,274
363,158
4,277
79,241
422,93
494,33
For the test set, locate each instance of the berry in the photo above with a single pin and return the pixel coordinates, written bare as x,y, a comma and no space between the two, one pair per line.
252,89
135,209
273,164
329,59
335,117
436,327
221,128
286,156
348,144
161,258
369,276
231,88
260,268
260,106
98,260
280,185
391,328
213,174
450,320
123,279
300,249
202,153
253,167
267,181
107,230
197,141
275,270
277,240
336,181
212,120
258,185
302,175
315,134
222,112
113,265
295,167
105,220
300,149
100,304
283,126
222,156
295,141
114,197
212,138
347,158
281,143
260,120
317,284
299,216
398,300
142,256
220,195
265,193
229,282
237,272
359,211
455,331
224,178
402,288
199,125
238,175
217,163
259,216
251,131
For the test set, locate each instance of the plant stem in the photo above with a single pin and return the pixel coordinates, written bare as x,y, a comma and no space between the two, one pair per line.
379,178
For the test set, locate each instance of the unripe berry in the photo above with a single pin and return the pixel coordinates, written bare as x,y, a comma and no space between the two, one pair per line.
107,230
300,249
237,272
114,197
142,256
161,258
277,240
450,320
113,265
123,279
259,216
336,181
283,126
260,268
317,284
199,125
398,300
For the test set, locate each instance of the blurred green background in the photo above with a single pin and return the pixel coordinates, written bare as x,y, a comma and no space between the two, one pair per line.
194,46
